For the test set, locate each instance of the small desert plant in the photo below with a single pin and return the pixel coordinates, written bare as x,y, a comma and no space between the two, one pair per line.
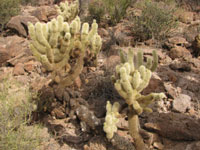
132,76
96,11
15,109
155,22
111,10
8,9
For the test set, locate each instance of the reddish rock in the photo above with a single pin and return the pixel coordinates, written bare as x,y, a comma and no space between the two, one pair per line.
30,66
179,52
18,69
20,23
4,56
176,41
44,12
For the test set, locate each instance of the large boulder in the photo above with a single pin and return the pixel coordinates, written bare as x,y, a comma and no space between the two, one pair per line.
20,23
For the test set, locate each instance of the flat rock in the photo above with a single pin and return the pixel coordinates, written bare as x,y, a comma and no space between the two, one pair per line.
174,126
181,103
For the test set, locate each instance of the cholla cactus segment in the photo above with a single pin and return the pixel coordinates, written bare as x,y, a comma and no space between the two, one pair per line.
55,43
111,119
131,79
68,11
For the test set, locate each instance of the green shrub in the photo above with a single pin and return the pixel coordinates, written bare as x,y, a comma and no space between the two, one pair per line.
8,9
111,10
96,11
155,22
15,109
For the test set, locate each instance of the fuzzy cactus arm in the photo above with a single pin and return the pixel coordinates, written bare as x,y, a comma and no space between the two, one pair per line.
131,60
123,58
155,61
148,99
139,59
67,10
111,119
149,63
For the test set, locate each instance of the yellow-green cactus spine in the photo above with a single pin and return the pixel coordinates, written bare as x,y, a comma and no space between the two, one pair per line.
133,76
55,43
68,11
111,119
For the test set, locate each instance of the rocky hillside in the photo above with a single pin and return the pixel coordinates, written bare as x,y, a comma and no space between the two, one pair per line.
68,114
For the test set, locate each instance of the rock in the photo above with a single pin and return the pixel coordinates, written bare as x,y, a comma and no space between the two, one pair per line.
44,13
179,52
87,116
180,65
193,146
171,90
181,103
151,138
121,143
122,124
78,82
20,24
19,69
186,17
190,32
175,126
4,56
96,143
176,41
58,112
16,45
158,145
30,66
155,85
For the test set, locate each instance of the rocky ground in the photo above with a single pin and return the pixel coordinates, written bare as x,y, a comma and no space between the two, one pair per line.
175,121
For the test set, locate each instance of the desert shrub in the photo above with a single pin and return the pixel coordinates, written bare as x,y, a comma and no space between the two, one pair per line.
111,10
15,109
156,21
96,11
8,9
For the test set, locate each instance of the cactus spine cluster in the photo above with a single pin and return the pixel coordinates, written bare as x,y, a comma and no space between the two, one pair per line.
132,76
68,11
57,44
111,119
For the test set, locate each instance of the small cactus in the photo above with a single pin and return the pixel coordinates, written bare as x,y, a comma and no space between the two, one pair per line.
131,78
68,11
56,43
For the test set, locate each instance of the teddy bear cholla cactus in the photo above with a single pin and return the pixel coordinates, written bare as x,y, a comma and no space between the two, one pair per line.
130,79
57,44
68,11
111,119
